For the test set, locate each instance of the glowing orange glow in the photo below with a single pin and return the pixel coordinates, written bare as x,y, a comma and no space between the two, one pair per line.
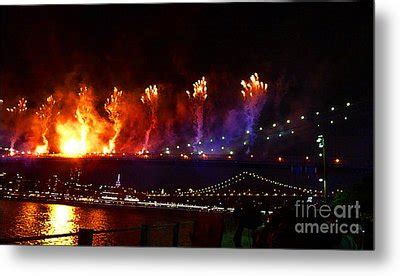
73,147
62,220
72,141
82,135
337,160
41,149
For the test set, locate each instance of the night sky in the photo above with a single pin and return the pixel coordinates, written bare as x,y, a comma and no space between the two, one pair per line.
312,55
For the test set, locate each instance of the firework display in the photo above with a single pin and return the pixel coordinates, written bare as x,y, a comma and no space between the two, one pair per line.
83,131
113,108
17,117
254,97
150,99
80,129
198,98
44,115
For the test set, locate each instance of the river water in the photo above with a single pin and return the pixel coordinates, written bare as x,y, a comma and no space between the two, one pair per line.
24,219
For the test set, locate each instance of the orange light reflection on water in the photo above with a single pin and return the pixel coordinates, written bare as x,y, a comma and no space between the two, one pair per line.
62,220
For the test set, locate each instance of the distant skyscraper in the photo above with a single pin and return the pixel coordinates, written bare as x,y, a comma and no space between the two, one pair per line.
118,182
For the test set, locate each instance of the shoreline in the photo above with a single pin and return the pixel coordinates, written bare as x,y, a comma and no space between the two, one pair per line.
116,206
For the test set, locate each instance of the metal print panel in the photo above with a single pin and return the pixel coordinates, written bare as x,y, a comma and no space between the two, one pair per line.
235,125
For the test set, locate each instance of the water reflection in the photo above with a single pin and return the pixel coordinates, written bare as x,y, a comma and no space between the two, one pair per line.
62,219
25,219
28,216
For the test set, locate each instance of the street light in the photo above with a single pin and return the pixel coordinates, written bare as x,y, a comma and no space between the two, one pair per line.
321,145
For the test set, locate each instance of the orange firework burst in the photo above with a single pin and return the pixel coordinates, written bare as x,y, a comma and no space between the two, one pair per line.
44,114
73,135
252,87
198,98
150,98
200,90
20,107
84,134
254,98
113,109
